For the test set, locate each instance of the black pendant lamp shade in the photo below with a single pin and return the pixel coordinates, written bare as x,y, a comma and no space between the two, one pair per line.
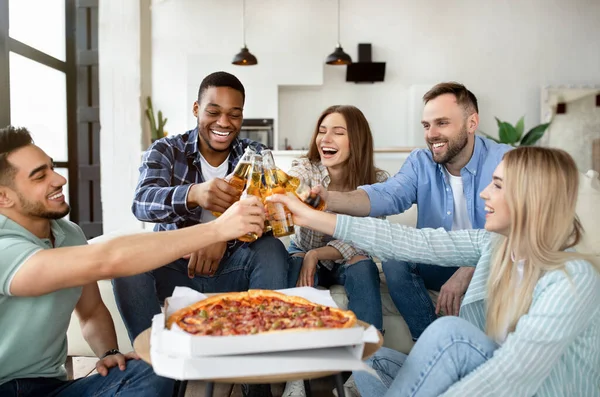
244,57
338,56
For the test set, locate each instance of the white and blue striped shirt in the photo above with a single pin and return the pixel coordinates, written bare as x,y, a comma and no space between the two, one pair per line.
555,348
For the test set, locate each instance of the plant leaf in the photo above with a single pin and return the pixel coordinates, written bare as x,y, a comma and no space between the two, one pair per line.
489,136
520,127
152,123
507,133
534,134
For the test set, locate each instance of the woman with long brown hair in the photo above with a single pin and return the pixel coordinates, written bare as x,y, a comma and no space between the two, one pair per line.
340,158
530,321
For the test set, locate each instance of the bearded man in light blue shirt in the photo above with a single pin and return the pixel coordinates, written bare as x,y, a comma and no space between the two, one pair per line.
444,181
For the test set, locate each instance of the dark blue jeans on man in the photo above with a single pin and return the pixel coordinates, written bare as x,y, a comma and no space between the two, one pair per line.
408,284
260,265
137,380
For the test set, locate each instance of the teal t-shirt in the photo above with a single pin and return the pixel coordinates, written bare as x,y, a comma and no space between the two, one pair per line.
33,330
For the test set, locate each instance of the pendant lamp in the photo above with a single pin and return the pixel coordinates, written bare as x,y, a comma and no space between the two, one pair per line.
338,56
244,57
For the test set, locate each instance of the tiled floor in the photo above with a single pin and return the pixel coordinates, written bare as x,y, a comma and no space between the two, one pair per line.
84,366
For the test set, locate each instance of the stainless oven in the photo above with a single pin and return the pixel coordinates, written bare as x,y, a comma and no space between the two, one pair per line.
259,130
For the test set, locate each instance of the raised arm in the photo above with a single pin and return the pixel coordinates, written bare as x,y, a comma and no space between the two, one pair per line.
392,196
392,241
396,194
355,203
40,271
156,200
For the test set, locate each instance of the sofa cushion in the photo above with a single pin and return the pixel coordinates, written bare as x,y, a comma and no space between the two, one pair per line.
397,334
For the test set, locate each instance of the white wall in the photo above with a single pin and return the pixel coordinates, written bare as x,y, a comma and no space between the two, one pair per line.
120,81
503,51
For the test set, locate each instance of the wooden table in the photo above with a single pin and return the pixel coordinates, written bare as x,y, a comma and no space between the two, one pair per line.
141,345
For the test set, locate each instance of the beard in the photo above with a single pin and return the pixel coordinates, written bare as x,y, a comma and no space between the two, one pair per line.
455,146
38,210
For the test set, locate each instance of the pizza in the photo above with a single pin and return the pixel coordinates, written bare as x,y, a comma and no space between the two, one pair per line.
257,311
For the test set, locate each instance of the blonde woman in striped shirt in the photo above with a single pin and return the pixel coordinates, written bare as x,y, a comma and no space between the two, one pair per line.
530,321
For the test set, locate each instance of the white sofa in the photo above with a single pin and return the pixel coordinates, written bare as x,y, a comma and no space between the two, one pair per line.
397,335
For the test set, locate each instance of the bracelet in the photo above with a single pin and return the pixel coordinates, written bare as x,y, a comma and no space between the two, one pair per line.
110,353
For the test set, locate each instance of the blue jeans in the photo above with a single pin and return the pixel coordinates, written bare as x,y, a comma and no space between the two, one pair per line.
408,284
448,350
360,280
260,265
138,379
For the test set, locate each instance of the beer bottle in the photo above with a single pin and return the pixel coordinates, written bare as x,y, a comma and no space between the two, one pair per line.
263,194
280,217
253,188
297,186
237,178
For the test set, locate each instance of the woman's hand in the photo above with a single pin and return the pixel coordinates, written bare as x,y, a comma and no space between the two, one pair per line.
243,217
302,213
308,270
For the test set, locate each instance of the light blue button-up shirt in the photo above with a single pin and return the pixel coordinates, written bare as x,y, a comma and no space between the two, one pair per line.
423,182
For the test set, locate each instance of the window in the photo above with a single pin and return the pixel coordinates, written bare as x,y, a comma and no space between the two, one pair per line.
49,84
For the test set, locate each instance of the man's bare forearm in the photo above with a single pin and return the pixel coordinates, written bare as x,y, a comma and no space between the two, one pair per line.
99,331
68,267
355,203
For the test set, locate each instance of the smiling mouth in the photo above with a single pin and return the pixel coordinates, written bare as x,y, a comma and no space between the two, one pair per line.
222,134
56,196
489,210
328,151
438,145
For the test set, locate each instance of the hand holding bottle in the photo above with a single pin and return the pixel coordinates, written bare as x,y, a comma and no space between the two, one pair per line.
243,217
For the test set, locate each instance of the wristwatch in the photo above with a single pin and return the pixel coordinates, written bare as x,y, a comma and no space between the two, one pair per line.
110,353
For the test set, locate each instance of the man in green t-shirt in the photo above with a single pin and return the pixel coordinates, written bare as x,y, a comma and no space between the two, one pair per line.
47,270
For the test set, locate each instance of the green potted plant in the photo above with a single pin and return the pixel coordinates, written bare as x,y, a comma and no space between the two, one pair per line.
157,127
513,134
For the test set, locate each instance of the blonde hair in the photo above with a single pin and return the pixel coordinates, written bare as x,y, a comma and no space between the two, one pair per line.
540,189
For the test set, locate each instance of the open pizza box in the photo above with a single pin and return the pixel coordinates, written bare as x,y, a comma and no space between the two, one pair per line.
334,359
175,341
176,354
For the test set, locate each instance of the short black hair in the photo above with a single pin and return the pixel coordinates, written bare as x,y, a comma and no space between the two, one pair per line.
221,79
11,139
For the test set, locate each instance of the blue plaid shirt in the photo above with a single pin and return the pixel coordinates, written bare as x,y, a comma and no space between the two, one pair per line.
169,169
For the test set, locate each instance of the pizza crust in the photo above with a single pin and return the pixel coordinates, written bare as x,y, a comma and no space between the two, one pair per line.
178,316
